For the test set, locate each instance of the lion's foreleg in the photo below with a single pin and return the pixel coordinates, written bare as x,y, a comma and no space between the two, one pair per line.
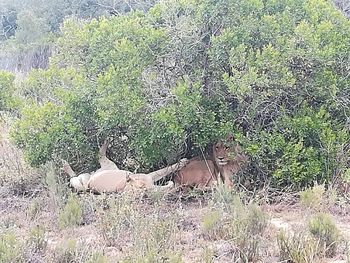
157,175
226,178
170,185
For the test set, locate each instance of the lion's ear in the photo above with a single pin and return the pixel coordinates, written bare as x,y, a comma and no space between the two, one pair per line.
230,138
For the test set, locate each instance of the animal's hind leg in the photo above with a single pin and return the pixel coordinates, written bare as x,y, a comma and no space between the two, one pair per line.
105,163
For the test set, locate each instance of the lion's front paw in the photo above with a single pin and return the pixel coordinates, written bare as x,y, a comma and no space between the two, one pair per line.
229,184
170,184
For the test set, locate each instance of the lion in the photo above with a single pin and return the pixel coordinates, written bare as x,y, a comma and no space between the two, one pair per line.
109,178
227,159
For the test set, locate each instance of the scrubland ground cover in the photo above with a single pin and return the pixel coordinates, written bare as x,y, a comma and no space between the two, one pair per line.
42,220
163,80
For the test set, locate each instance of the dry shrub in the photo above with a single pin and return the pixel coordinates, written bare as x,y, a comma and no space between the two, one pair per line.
208,255
34,209
8,221
249,229
242,225
151,234
298,247
318,199
31,249
170,257
226,198
37,240
35,245
312,197
90,205
320,240
114,222
56,186
75,252
212,227
10,248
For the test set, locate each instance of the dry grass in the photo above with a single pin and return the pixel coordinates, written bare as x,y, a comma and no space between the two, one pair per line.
127,229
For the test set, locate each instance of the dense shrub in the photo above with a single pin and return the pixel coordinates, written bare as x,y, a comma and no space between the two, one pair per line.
301,149
176,78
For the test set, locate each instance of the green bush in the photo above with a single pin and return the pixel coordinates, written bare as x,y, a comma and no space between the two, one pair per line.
71,214
302,149
10,248
324,229
185,73
7,88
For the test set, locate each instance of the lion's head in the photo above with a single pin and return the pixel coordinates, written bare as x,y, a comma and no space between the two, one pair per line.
226,151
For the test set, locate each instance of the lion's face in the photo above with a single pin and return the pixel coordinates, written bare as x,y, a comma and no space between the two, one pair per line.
221,153
224,152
